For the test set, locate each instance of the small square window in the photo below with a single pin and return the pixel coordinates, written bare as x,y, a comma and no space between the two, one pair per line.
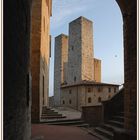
63,102
75,79
89,89
109,89
114,89
70,91
69,101
89,100
99,89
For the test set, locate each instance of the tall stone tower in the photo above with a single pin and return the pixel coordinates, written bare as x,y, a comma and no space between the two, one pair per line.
80,52
60,65
40,54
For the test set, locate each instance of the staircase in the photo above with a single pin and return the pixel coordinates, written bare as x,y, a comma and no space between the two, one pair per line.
48,113
106,130
68,122
113,118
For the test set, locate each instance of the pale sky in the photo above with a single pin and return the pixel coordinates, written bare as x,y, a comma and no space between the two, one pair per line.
107,33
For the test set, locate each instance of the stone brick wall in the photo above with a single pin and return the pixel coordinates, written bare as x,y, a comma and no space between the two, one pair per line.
60,65
40,53
17,99
93,115
80,52
78,96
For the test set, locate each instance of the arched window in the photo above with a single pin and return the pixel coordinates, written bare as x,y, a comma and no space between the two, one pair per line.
99,99
89,100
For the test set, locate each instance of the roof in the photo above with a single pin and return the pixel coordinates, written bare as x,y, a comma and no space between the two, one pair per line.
88,83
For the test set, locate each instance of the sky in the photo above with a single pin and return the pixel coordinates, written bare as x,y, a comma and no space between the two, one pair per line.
107,34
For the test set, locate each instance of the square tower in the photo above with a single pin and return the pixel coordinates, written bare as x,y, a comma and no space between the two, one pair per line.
80,52
60,65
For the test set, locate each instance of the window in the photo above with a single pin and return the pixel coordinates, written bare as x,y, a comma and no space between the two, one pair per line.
89,100
89,89
69,101
99,99
99,89
72,48
109,89
114,90
63,102
75,79
70,91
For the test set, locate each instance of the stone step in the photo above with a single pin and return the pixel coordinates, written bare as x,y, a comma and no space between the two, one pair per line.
104,132
112,128
121,114
82,125
116,123
99,136
52,117
66,123
65,120
48,111
107,127
118,118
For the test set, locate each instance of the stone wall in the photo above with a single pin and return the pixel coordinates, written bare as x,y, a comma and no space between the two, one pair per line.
97,70
60,65
40,53
78,96
93,115
129,9
80,52
17,96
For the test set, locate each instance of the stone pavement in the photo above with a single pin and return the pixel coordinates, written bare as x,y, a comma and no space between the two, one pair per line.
52,132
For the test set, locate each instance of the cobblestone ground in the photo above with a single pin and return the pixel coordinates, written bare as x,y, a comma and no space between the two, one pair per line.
52,132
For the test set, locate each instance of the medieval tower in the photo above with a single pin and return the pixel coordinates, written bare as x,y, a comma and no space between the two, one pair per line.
40,54
74,57
80,55
60,65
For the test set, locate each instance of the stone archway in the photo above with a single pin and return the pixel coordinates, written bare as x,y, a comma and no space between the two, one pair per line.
129,14
16,66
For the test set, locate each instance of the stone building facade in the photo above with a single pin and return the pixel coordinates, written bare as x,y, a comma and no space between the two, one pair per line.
60,65
86,94
40,54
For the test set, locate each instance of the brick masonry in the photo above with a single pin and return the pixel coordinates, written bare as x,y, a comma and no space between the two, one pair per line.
60,65
40,53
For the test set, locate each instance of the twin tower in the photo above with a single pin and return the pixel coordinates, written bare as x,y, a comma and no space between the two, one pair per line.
74,57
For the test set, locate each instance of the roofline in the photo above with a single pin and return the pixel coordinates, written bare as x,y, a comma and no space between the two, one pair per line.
89,84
